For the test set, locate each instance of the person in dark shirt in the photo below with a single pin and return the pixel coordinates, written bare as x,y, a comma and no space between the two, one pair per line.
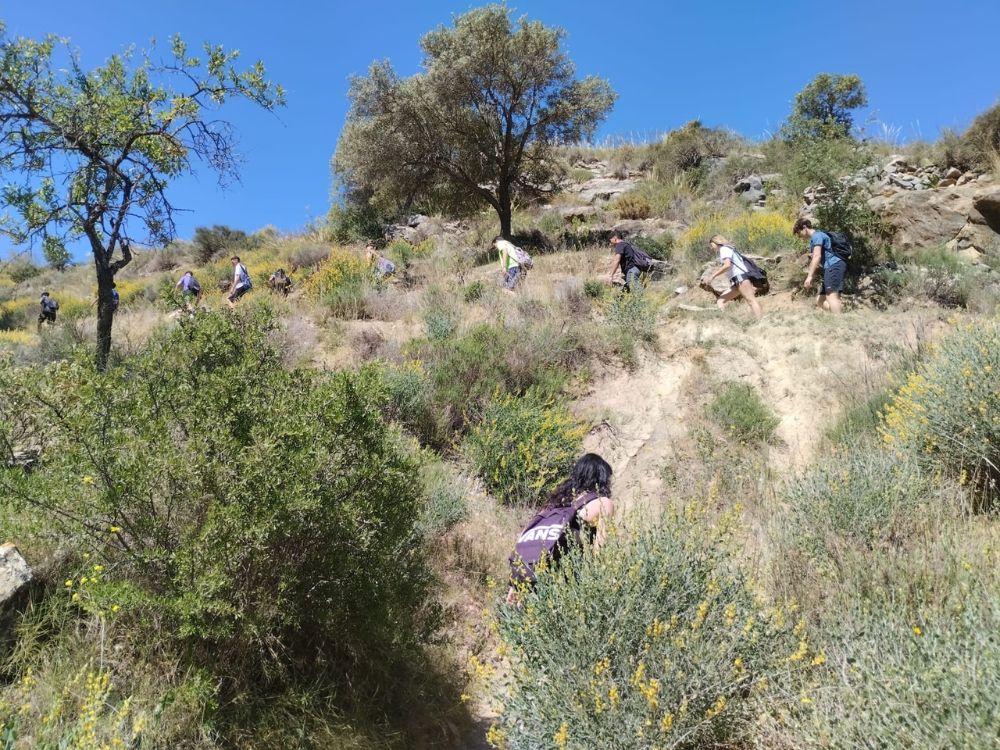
625,259
47,314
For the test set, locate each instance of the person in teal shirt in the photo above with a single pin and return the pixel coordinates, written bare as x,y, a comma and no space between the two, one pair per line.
834,267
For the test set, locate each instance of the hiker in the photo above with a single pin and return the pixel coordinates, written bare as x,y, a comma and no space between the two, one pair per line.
241,281
633,262
48,310
381,266
115,298
834,265
580,506
509,265
190,290
738,269
279,282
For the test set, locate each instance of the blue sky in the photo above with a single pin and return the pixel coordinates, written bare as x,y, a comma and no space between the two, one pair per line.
926,65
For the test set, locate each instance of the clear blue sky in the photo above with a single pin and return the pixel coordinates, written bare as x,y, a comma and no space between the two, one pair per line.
927,65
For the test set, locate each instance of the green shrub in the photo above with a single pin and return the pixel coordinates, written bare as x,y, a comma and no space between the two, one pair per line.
409,400
687,149
858,421
658,248
909,674
465,370
980,144
629,206
945,414
260,521
658,640
445,505
860,497
441,317
21,271
523,446
219,241
474,291
594,289
739,409
633,314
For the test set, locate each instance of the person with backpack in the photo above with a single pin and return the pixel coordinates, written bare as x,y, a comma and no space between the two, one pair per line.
579,509
634,262
832,255
279,282
741,274
514,262
241,281
382,267
47,314
190,290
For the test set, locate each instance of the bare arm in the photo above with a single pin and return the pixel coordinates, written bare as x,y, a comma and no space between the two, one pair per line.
726,265
813,265
598,514
614,266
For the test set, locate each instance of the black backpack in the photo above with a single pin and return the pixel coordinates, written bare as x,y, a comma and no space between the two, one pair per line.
758,276
639,257
840,245
546,536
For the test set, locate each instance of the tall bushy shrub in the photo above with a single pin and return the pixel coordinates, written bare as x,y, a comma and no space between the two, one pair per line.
263,520
523,446
341,283
657,640
947,413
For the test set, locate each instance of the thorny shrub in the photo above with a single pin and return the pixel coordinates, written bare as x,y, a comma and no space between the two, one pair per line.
657,640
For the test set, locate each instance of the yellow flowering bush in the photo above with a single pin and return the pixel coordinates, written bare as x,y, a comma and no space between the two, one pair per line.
657,640
84,715
341,282
764,232
522,446
947,413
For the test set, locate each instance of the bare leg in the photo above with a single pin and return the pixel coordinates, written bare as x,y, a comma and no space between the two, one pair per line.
750,295
833,303
821,302
732,294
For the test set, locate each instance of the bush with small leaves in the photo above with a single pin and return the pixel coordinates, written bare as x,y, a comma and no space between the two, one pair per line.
657,640
739,409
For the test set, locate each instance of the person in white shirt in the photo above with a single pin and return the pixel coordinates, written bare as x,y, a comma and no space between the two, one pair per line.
739,278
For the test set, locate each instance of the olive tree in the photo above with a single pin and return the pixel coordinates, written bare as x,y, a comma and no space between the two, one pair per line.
477,125
89,154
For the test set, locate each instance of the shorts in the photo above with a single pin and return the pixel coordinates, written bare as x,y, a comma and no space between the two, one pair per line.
48,315
739,279
833,277
513,276
239,292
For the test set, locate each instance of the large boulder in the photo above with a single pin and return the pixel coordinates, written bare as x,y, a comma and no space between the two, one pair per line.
925,218
14,573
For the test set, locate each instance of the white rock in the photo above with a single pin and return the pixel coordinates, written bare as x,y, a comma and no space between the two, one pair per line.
14,572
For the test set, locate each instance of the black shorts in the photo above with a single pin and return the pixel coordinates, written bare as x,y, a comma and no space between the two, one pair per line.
49,315
833,277
240,291
739,279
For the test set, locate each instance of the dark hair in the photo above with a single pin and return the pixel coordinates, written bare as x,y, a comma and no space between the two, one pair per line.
801,224
590,474
236,258
498,237
45,294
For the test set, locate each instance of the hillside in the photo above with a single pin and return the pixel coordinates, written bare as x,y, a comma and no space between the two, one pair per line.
472,404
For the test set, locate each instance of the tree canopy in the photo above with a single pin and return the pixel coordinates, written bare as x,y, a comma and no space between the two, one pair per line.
477,125
90,153
824,108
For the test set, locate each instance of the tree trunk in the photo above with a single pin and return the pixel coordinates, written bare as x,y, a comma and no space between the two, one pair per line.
105,313
504,210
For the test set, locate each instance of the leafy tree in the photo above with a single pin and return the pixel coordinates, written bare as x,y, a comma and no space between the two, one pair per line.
478,125
220,238
56,254
823,109
90,154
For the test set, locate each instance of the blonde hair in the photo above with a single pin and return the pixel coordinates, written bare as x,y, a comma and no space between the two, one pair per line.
719,240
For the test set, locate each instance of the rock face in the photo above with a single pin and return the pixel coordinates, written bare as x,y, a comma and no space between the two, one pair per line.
14,572
751,190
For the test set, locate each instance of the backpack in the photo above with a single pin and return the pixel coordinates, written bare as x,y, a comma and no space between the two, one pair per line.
115,299
194,286
245,277
840,245
639,257
522,258
546,536
386,266
758,276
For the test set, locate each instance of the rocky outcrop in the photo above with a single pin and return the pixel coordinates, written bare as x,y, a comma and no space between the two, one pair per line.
14,573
